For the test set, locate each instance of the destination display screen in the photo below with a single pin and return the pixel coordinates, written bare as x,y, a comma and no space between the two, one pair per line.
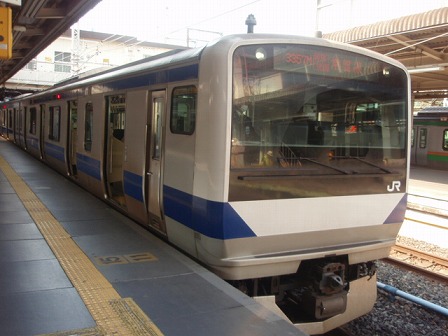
324,61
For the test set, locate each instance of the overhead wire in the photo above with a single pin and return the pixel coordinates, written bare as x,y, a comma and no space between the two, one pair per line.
212,17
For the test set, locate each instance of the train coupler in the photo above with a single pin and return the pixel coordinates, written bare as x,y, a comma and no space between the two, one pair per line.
326,293
323,306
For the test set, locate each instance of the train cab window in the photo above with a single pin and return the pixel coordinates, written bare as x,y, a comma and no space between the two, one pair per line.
33,121
183,110
445,139
88,127
54,123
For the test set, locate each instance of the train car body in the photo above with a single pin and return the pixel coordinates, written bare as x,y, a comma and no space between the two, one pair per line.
430,138
280,162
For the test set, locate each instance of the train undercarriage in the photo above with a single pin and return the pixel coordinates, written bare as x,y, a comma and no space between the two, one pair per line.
318,291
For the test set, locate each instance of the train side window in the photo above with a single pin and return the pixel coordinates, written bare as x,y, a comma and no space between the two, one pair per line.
88,127
54,123
445,139
422,137
183,110
33,121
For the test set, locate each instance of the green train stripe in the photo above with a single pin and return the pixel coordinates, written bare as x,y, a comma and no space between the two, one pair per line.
438,157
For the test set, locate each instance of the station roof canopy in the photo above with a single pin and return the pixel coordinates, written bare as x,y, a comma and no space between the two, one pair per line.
418,41
36,24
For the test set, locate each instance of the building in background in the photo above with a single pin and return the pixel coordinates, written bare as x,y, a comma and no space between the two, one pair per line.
87,52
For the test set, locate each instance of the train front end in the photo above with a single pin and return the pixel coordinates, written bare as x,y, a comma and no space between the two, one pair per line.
314,177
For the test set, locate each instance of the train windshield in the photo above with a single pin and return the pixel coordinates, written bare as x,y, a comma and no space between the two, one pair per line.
304,111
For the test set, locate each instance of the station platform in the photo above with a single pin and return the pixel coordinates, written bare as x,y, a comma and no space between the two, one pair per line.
72,265
430,183
427,214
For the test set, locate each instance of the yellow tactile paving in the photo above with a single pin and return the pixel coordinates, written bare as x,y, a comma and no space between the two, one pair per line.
113,314
80,332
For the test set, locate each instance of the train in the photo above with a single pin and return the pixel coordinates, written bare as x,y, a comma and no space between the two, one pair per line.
429,146
279,162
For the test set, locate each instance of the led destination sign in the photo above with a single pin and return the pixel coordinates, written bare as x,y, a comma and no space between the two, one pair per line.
325,62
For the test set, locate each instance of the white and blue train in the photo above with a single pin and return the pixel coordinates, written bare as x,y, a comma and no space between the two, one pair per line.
280,162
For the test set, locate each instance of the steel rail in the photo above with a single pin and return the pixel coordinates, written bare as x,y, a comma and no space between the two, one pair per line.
430,261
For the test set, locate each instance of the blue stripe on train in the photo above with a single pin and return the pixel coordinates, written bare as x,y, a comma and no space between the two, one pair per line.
89,166
158,77
213,219
55,151
397,215
133,185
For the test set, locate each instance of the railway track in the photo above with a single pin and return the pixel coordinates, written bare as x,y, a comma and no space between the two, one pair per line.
429,264
423,215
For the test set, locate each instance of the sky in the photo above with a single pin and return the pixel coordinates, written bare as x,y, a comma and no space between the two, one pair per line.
179,21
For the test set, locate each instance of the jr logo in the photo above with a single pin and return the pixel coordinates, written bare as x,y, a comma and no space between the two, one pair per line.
395,185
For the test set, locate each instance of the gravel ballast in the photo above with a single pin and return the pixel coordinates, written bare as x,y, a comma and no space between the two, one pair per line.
396,316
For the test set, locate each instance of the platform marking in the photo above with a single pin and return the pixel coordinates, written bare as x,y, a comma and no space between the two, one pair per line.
111,260
125,259
113,314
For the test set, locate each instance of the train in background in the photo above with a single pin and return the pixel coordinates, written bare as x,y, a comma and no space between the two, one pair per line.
429,146
279,162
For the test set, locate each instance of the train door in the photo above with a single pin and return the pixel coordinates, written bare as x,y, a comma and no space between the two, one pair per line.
420,150
16,126
10,126
114,149
31,130
72,136
22,118
154,159
42,132
2,122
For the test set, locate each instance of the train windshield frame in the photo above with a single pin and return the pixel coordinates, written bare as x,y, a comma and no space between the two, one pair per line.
314,111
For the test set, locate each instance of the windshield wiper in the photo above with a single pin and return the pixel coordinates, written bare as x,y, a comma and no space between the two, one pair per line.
374,165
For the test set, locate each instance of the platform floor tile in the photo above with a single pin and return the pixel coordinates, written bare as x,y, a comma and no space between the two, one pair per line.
35,275
41,312
19,231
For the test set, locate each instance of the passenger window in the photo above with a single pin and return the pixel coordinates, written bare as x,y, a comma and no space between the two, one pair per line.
422,138
183,110
445,139
88,127
117,115
54,123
